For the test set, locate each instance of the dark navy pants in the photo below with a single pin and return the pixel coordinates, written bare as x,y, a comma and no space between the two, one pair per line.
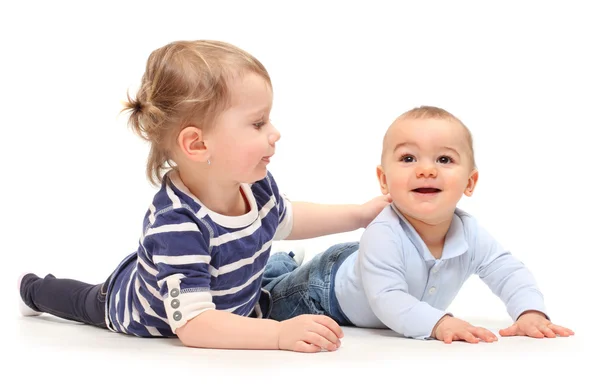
66,298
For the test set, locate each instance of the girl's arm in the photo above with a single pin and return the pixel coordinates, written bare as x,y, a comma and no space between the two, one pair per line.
314,220
224,330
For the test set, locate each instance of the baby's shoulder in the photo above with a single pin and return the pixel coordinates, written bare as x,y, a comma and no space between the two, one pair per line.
475,233
385,227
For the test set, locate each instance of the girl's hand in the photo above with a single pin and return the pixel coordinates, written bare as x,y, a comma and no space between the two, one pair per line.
372,208
310,333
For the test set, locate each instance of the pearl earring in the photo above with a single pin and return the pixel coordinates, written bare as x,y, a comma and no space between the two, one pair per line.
208,161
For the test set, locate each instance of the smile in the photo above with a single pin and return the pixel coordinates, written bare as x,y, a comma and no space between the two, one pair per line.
427,190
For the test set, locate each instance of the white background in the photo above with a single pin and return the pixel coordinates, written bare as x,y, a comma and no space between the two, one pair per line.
523,76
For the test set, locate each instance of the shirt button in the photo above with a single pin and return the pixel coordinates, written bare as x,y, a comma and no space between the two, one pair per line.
174,292
177,315
435,269
431,290
175,303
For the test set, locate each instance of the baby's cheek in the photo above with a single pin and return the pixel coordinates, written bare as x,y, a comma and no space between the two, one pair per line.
399,185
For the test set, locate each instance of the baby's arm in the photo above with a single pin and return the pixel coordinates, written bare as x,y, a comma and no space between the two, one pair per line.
383,274
510,280
507,277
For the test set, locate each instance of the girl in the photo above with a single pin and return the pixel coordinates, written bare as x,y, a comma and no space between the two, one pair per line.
204,108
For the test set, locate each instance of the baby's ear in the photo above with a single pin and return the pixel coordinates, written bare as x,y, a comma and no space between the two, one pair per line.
382,180
472,182
191,144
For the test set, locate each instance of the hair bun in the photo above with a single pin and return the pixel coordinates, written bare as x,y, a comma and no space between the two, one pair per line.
137,106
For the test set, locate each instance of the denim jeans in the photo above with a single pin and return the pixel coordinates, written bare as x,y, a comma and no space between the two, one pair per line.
307,289
66,298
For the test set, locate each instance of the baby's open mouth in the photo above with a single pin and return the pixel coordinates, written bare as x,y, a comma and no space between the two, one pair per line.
427,190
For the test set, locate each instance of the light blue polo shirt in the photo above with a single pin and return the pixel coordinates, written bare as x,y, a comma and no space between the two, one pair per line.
394,282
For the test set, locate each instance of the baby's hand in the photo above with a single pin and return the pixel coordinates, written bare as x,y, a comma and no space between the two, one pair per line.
310,333
535,324
450,328
372,208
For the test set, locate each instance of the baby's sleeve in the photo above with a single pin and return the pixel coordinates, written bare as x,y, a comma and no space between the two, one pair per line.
178,246
383,274
506,276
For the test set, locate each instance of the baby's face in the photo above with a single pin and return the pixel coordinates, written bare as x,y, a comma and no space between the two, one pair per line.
426,168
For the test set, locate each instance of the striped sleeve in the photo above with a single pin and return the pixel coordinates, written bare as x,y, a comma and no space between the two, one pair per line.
284,210
178,247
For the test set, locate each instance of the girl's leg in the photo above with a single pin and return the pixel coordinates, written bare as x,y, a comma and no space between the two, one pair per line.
65,298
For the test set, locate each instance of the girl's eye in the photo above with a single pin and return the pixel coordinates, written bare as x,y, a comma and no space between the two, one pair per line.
407,159
445,160
259,124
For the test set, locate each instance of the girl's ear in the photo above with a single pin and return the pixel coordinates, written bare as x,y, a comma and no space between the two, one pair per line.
191,144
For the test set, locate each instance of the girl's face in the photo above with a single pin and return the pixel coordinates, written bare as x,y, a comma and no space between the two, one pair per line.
243,139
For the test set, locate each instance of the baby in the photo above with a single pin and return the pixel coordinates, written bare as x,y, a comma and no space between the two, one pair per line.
417,253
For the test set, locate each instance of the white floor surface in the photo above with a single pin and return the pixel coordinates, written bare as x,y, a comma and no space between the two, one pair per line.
62,351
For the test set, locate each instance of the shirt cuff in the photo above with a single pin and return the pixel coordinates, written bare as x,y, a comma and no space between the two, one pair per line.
181,307
531,301
422,321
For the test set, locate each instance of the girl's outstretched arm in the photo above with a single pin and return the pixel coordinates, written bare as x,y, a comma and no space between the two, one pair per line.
314,220
224,330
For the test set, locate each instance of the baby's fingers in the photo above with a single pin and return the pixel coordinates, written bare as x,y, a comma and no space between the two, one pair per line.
546,331
561,331
510,331
533,331
468,335
447,337
484,334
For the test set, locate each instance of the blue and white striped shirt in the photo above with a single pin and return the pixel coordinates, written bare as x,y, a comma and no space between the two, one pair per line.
191,259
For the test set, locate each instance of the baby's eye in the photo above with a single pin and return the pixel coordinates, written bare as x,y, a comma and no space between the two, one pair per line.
445,160
259,124
407,159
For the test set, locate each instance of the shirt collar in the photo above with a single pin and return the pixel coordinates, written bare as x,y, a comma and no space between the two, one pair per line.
455,243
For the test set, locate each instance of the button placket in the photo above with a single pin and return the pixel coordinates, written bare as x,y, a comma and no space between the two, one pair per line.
433,274
175,303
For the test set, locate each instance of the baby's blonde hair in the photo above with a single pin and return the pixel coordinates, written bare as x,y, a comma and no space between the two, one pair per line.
185,84
430,112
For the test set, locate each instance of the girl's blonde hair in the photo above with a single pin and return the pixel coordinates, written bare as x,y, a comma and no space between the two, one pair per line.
185,84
